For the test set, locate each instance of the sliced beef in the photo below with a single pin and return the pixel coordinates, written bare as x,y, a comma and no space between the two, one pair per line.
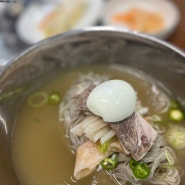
135,135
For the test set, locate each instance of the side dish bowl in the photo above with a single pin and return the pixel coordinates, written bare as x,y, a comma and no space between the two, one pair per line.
97,45
43,20
155,17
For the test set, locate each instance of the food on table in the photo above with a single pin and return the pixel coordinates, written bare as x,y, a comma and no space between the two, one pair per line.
146,147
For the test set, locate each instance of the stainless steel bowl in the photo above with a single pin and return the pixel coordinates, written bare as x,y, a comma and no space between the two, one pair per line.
93,45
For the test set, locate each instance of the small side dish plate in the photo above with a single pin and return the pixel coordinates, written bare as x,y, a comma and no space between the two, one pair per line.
39,21
158,18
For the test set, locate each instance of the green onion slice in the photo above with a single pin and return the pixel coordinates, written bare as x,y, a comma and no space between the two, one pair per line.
54,98
176,115
9,94
104,147
133,163
169,157
109,163
140,169
38,99
176,111
156,119
175,136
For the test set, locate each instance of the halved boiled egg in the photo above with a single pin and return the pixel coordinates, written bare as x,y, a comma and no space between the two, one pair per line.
39,21
113,100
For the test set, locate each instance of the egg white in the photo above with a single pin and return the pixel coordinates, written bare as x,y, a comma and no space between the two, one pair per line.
113,100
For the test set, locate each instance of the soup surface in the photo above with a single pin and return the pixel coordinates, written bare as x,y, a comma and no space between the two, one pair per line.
40,151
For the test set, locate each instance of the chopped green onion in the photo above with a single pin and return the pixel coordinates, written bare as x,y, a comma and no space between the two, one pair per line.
9,94
176,112
133,163
169,157
176,115
38,99
41,98
156,119
54,98
175,135
109,163
140,169
104,147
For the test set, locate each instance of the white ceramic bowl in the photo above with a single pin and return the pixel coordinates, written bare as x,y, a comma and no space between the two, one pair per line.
166,9
27,25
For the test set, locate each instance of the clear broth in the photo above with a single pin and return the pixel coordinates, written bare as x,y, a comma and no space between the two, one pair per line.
40,151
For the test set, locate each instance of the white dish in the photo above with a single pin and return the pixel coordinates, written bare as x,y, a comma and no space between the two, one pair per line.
27,25
163,8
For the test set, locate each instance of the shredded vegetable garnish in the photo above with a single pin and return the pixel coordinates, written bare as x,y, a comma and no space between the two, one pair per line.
109,163
140,20
41,98
54,98
38,99
140,169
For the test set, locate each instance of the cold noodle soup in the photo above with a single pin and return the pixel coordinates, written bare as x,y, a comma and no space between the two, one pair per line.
46,140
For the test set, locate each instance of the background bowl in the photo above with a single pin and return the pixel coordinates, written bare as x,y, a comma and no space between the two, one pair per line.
105,45
36,14
145,20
